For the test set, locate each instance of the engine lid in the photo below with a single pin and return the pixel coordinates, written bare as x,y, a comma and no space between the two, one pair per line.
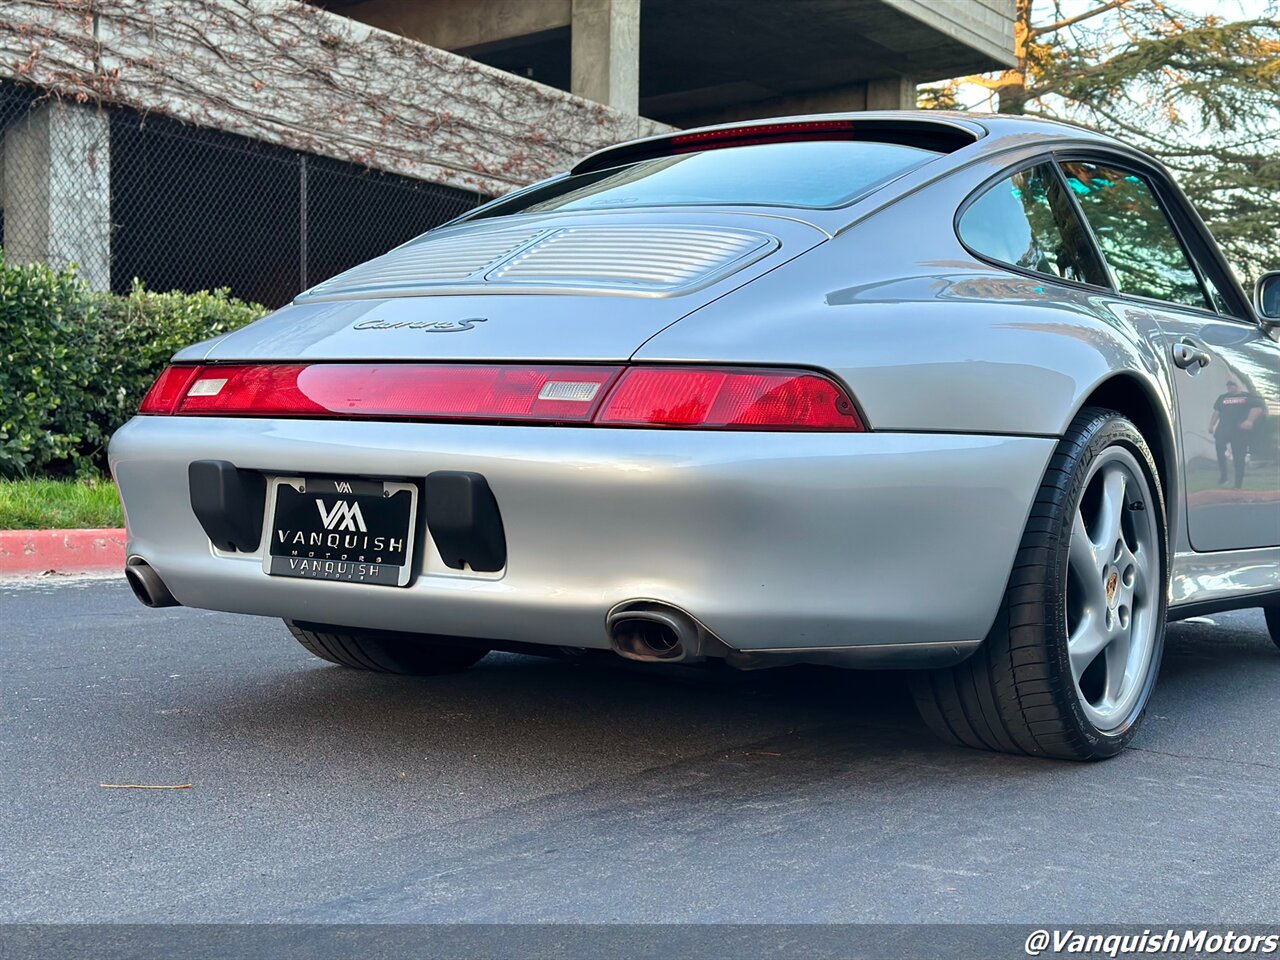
576,287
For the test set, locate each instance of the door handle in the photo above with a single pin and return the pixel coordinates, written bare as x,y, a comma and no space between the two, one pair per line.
1188,356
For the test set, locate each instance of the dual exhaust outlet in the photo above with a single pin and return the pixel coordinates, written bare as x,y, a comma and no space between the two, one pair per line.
646,630
657,632
147,585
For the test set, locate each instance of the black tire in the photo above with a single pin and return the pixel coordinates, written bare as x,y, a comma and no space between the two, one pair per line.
1016,693
1273,623
386,652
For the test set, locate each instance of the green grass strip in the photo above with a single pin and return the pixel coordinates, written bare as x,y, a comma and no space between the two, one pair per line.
59,504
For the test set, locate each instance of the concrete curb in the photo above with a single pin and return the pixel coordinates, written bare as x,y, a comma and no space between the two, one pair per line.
26,552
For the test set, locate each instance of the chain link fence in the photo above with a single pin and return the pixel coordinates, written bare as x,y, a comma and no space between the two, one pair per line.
125,195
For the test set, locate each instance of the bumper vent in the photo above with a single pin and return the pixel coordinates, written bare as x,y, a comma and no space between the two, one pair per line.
623,259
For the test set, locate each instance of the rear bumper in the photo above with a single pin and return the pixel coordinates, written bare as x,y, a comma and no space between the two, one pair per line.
880,543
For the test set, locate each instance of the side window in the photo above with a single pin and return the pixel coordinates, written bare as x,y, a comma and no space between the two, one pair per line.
1215,296
1138,241
1029,221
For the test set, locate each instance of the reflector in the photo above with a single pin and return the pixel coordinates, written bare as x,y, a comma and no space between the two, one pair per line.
207,387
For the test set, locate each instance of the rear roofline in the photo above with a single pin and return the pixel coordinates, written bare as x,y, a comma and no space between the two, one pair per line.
961,138
939,134
940,130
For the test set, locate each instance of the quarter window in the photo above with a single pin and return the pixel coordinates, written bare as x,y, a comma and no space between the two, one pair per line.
1029,221
1138,241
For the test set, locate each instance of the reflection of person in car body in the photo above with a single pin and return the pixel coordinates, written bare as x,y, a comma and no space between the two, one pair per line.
1232,423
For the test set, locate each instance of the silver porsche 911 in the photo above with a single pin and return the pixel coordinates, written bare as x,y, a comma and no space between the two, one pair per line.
977,397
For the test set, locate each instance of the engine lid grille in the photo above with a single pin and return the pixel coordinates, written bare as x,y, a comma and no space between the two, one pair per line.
645,258
640,259
444,259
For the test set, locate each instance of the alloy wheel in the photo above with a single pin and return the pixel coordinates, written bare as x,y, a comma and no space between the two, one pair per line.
1113,583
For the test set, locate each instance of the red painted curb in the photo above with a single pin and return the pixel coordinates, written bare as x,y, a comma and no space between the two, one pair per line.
63,551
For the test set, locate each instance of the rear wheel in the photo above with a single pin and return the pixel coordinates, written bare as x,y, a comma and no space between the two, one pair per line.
1070,663
385,652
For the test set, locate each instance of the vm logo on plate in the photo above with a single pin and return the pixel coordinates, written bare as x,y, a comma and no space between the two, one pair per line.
344,515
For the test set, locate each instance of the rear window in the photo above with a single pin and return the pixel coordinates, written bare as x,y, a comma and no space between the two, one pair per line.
809,174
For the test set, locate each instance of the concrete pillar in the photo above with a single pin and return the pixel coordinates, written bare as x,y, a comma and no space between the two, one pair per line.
895,93
605,58
57,190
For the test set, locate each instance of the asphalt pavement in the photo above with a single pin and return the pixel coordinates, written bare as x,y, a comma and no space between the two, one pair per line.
547,791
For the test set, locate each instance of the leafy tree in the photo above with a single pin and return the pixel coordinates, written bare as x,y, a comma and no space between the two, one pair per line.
1198,90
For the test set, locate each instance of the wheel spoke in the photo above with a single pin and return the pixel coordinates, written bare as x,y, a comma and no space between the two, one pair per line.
1087,562
1111,510
1141,579
1117,660
1127,558
1088,640
1083,551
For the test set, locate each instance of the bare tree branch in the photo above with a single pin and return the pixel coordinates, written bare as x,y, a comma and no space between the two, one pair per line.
1078,18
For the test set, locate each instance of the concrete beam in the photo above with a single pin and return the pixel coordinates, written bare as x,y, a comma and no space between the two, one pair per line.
57,190
983,25
462,24
839,100
605,57
893,93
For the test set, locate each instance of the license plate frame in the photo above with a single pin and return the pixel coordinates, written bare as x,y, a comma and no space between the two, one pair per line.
342,507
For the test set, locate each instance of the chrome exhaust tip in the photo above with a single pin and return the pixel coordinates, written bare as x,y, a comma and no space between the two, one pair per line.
655,632
640,638
147,585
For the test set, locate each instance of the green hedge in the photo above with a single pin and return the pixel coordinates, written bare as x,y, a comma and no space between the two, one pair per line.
76,363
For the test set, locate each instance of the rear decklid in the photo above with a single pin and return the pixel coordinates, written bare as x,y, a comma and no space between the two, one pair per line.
575,286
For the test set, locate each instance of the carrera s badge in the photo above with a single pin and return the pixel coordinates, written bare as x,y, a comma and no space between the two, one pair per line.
427,326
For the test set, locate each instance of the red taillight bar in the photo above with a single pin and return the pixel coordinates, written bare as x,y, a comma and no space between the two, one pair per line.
764,133
397,390
725,398
169,388
728,399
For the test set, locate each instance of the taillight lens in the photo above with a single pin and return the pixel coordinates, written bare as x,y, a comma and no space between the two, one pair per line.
690,397
729,399
408,390
169,388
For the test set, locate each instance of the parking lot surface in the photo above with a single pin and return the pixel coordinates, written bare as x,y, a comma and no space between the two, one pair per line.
537,790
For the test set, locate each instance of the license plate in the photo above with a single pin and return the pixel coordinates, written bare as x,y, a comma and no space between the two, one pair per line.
358,531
